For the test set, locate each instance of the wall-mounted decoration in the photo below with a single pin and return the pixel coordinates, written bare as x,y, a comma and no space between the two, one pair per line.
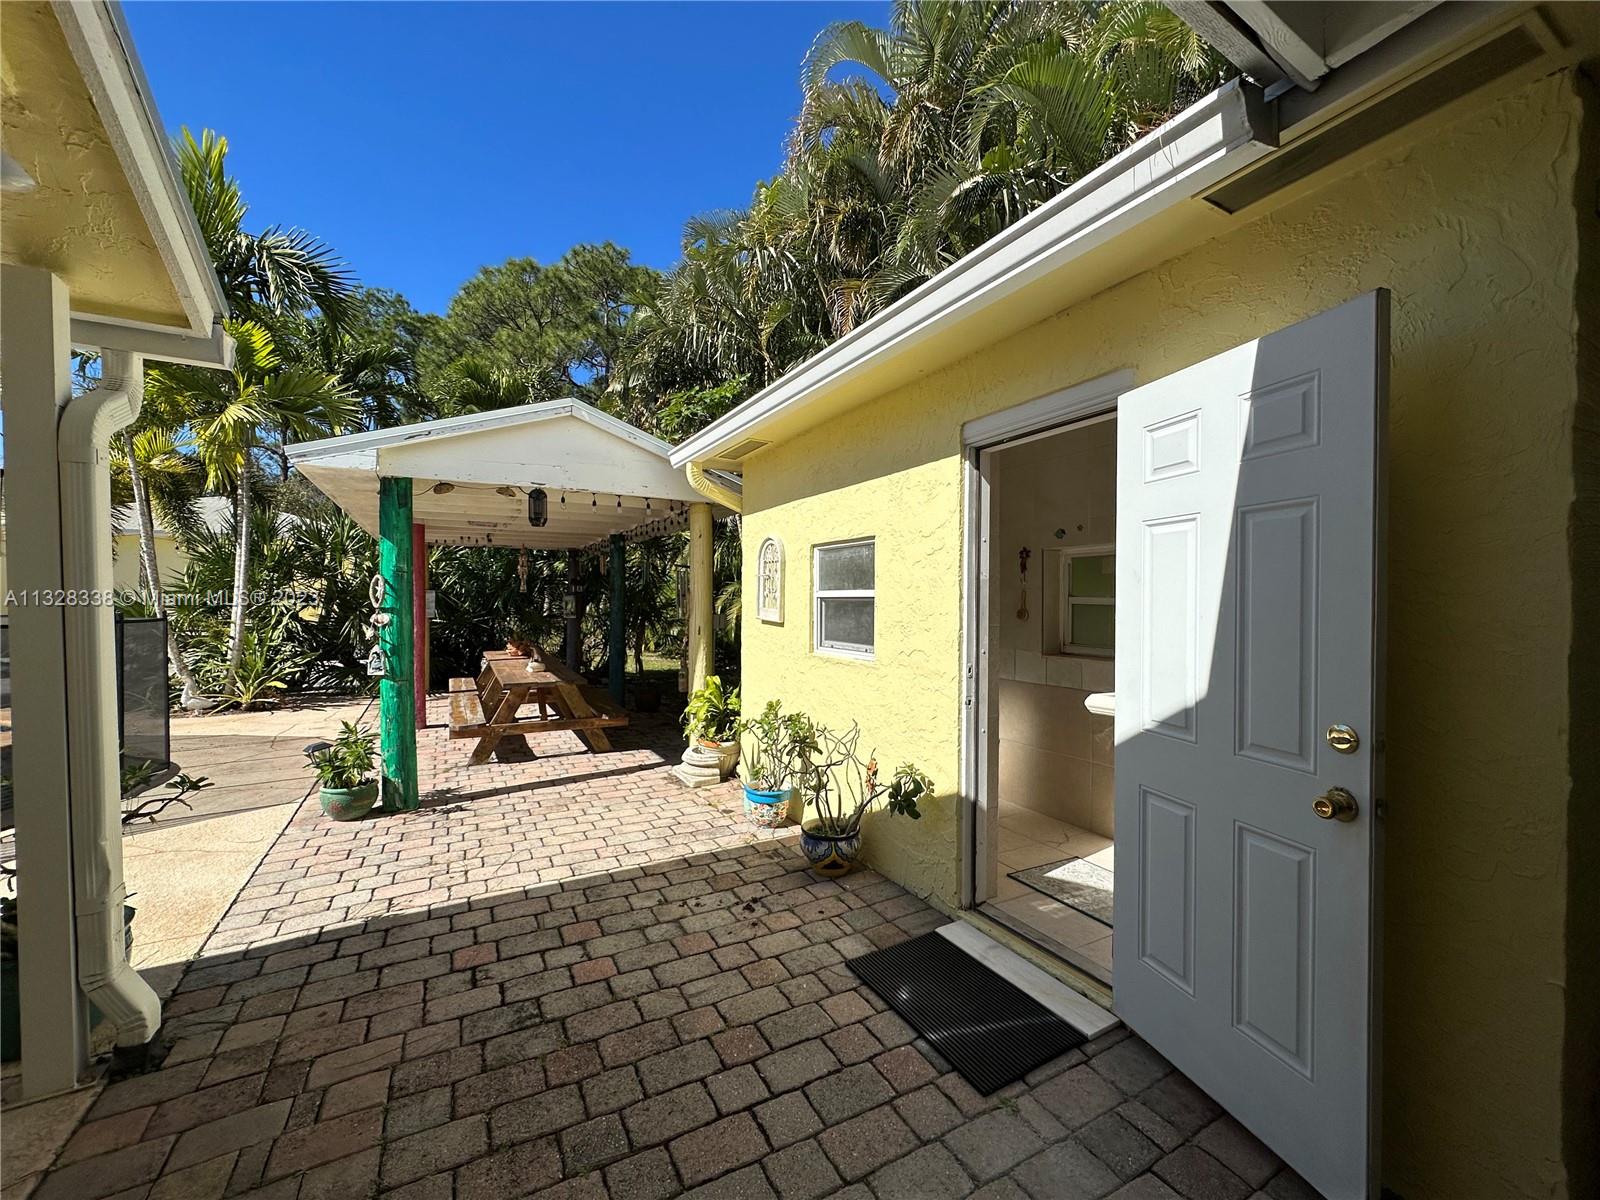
769,581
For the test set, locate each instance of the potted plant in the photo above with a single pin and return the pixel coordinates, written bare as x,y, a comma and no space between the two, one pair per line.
344,768
521,636
771,745
711,720
839,789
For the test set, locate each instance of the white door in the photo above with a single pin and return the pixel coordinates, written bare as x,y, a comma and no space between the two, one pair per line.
1249,572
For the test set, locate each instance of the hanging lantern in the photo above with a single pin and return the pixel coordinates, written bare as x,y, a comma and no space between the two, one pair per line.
522,570
538,508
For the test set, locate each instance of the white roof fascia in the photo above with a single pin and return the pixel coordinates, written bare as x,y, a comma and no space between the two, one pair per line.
1208,141
499,418
166,345
1302,61
101,45
363,454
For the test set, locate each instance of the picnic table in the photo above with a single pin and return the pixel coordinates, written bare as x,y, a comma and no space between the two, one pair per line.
489,708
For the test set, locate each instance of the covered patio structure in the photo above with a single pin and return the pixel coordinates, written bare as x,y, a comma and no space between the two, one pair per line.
559,475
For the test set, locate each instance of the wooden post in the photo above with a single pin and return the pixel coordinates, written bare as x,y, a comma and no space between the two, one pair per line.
619,612
702,637
420,630
396,708
36,350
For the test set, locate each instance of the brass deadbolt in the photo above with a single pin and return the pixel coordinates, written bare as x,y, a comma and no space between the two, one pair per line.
1336,804
1343,739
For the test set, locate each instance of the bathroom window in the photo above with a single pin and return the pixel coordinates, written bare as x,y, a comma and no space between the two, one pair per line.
844,578
1089,601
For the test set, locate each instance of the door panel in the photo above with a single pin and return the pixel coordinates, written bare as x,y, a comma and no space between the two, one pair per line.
1248,571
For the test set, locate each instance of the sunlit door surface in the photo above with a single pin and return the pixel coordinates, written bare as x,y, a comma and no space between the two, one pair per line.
1248,628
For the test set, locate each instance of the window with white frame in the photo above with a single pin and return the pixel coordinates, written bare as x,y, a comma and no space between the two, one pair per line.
1089,600
843,578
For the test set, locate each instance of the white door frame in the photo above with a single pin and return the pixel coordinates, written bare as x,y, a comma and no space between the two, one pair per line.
1042,415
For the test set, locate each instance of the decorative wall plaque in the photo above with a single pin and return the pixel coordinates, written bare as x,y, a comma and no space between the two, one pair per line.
769,581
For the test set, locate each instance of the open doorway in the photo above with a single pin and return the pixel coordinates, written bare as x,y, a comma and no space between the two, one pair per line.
1044,854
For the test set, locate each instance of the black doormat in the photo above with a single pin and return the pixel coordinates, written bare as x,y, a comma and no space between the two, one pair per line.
986,1027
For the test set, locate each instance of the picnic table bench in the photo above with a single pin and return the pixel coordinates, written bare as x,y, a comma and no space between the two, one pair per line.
488,708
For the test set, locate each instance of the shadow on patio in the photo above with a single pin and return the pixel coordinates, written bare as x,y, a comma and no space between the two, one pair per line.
598,983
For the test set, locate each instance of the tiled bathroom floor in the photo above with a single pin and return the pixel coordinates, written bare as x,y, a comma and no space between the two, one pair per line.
1030,839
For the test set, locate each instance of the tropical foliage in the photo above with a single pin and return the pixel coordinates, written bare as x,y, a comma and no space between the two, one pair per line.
913,145
348,761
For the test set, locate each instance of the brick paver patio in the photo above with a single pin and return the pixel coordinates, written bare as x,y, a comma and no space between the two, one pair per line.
569,977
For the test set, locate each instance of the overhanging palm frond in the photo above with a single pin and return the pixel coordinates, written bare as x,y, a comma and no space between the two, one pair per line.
279,271
294,270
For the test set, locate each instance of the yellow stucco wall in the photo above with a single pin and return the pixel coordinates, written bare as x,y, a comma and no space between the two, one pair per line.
1472,227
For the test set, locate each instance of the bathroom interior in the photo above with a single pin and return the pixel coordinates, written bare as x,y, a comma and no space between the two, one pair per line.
1051,606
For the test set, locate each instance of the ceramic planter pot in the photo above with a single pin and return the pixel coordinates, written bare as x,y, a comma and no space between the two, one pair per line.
830,854
727,752
349,804
765,808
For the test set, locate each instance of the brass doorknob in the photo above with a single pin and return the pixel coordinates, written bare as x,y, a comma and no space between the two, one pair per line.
1336,804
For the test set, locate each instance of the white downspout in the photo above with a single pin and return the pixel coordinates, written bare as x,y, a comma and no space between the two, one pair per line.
88,423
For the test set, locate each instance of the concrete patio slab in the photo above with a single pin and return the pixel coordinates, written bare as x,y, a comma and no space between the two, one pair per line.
185,868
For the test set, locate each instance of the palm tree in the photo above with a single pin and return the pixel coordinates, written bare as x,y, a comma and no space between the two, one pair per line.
472,385
274,273
161,478
229,414
945,128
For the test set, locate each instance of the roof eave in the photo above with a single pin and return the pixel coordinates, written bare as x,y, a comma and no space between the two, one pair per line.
1212,138
98,37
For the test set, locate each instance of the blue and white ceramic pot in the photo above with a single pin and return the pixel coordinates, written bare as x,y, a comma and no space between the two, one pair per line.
830,854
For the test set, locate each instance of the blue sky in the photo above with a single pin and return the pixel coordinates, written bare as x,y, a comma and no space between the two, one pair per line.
426,140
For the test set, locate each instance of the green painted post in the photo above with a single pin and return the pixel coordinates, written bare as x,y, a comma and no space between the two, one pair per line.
396,706
619,619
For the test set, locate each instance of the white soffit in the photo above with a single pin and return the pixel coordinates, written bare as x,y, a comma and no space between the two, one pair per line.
102,46
1016,278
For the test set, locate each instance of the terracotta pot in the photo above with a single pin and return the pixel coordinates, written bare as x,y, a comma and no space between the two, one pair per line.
830,854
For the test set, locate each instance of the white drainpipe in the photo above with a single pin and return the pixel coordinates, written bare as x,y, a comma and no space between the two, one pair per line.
87,425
